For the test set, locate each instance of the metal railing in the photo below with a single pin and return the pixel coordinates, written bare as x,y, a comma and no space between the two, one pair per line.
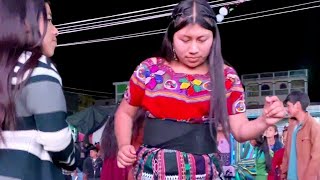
276,75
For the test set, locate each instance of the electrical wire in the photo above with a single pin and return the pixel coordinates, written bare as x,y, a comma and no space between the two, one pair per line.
160,31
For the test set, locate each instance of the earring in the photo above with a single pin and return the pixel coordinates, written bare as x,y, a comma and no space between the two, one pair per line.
174,55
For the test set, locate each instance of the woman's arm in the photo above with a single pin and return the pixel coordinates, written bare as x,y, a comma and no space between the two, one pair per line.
243,129
124,118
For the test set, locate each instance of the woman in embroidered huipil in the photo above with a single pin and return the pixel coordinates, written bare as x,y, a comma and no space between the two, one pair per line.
177,90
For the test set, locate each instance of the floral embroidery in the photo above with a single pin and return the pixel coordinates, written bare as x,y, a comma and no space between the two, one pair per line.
207,86
240,106
170,84
230,80
191,84
153,77
140,73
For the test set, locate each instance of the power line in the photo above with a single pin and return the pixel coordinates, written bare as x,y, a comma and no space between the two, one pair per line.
122,14
99,92
78,29
112,24
148,33
112,16
286,7
160,31
278,13
110,20
85,94
121,18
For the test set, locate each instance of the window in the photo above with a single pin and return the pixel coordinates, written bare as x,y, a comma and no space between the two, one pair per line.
283,86
265,87
297,84
252,87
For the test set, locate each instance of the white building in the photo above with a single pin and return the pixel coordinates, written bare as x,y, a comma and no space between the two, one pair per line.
259,85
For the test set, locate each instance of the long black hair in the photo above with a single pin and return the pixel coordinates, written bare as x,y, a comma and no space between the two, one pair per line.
19,32
199,12
263,146
109,146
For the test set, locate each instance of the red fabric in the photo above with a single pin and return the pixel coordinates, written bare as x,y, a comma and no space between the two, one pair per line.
274,174
111,171
80,137
170,97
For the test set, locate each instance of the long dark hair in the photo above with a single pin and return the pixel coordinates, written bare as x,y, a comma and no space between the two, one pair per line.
263,146
182,15
19,32
109,146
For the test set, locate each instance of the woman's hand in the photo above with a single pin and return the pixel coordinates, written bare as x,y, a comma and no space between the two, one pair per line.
273,110
126,156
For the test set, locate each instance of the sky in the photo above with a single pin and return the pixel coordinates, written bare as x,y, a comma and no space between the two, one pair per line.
275,43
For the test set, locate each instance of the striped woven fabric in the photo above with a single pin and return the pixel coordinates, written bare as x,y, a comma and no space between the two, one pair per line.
175,165
42,144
